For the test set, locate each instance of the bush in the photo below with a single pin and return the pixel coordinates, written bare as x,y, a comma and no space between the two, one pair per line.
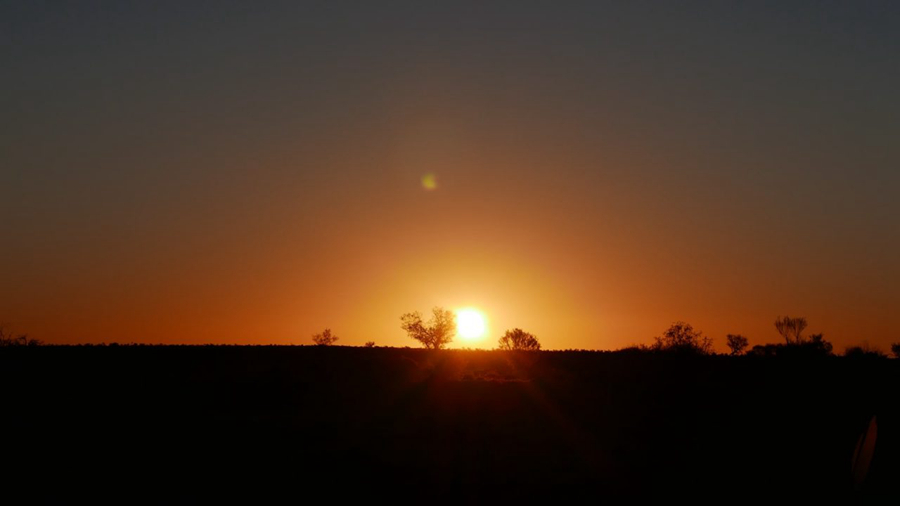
864,351
325,338
518,339
682,338
816,346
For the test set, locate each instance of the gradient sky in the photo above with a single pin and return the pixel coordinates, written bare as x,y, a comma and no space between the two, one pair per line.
250,172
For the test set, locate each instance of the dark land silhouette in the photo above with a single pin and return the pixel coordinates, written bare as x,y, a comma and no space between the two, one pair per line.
192,422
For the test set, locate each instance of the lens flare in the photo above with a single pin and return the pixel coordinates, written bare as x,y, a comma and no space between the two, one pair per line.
429,181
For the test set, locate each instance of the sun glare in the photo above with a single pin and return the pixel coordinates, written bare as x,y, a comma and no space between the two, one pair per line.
470,324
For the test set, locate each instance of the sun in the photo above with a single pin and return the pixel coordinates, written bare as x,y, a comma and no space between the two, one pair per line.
470,324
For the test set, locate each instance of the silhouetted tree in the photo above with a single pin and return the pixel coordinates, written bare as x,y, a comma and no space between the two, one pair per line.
518,339
681,337
370,344
325,338
895,349
737,343
438,333
7,339
791,329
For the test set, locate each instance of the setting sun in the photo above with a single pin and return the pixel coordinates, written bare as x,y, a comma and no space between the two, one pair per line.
470,324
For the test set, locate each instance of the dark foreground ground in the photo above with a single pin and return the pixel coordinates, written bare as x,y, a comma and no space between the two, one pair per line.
188,424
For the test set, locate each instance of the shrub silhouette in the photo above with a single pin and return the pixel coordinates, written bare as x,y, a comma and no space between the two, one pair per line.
864,350
438,333
816,346
324,338
765,350
518,339
370,344
7,339
682,338
737,343
634,349
895,349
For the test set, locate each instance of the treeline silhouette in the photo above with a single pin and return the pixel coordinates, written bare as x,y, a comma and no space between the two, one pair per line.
680,338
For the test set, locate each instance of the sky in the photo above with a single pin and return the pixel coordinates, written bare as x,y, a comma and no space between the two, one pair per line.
252,172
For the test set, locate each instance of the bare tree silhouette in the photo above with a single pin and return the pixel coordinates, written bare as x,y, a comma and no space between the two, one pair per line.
438,333
791,329
681,337
324,338
8,339
737,343
518,339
